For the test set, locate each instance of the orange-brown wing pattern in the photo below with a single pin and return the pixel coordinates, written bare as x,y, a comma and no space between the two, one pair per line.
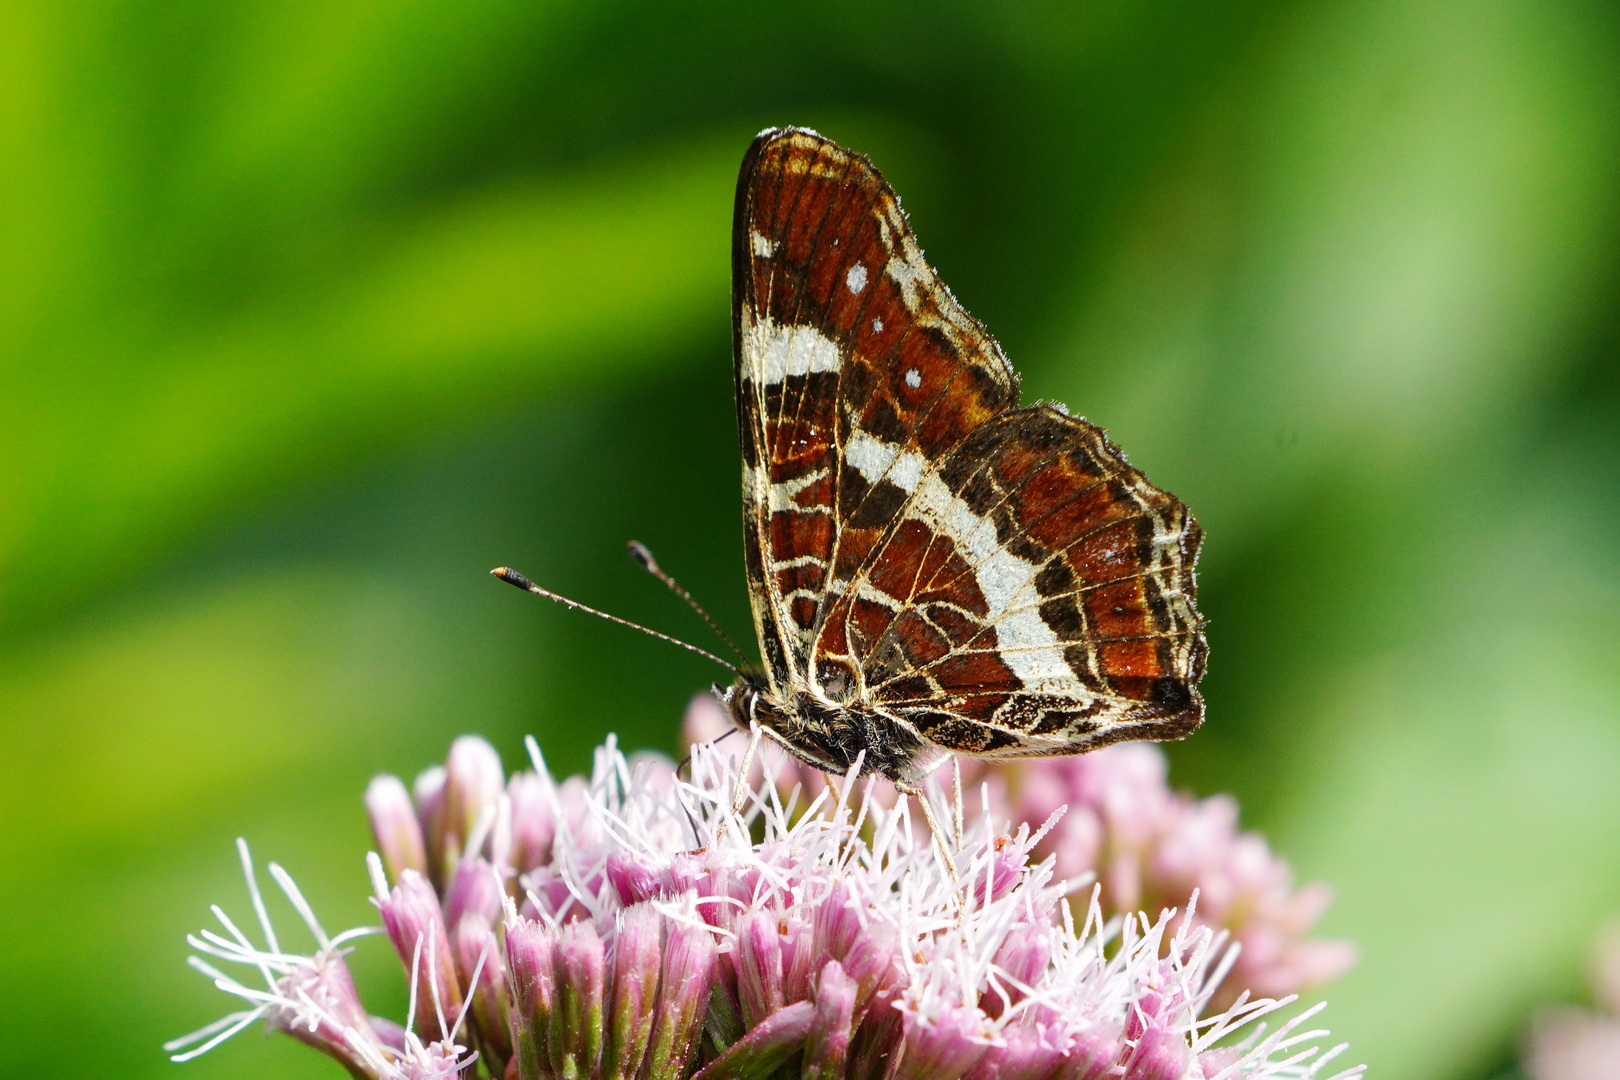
999,580
840,326
1041,592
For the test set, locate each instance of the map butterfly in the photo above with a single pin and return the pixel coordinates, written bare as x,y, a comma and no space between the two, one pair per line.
931,567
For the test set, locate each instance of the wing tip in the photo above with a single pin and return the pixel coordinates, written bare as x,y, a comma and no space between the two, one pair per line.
772,134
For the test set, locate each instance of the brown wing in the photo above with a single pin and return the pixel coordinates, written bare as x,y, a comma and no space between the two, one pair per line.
841,327
1039,595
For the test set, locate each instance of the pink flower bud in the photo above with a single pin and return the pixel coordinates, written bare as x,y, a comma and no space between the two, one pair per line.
689,965
1092,1054
872,960
1024,956
529,969
944,1044
394,826
415,925
474,890
533,823
329,1017
477,951
392,1034
637,956
1160,1054
1007,861
705,720
800,958
579,966
759,967
827,1042
633,879
1028,1054
473,781
837,922
427,791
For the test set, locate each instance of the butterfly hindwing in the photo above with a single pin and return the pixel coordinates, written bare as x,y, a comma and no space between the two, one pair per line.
1043,592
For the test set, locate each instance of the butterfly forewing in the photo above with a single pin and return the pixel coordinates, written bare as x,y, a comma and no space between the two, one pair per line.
826,277
918,547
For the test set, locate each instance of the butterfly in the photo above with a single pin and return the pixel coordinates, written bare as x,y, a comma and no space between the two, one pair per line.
932,568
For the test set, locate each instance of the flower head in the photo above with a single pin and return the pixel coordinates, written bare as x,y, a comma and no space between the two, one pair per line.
629,925
312,998
1114,819
1569,1044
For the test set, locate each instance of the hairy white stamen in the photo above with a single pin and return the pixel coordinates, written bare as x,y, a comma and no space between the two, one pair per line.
290,889
258,898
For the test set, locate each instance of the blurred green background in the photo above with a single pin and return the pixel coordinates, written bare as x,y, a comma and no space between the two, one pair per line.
311,313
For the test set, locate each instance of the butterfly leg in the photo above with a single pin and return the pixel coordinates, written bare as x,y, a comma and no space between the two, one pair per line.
739,794
934,829
956,785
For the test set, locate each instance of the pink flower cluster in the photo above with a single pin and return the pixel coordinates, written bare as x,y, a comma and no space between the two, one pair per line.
632,926
1571,1044
1148,848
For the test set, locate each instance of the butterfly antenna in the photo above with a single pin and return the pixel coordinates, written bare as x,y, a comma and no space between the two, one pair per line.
639,552
512,577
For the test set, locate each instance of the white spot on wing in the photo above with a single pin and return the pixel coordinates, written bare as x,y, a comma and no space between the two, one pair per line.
877,326
782,351
785,492
763,248
877,460
869,455
913,378
856,278
907,470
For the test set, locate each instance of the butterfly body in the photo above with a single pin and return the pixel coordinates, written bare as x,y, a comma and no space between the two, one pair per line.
931,567
829,735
